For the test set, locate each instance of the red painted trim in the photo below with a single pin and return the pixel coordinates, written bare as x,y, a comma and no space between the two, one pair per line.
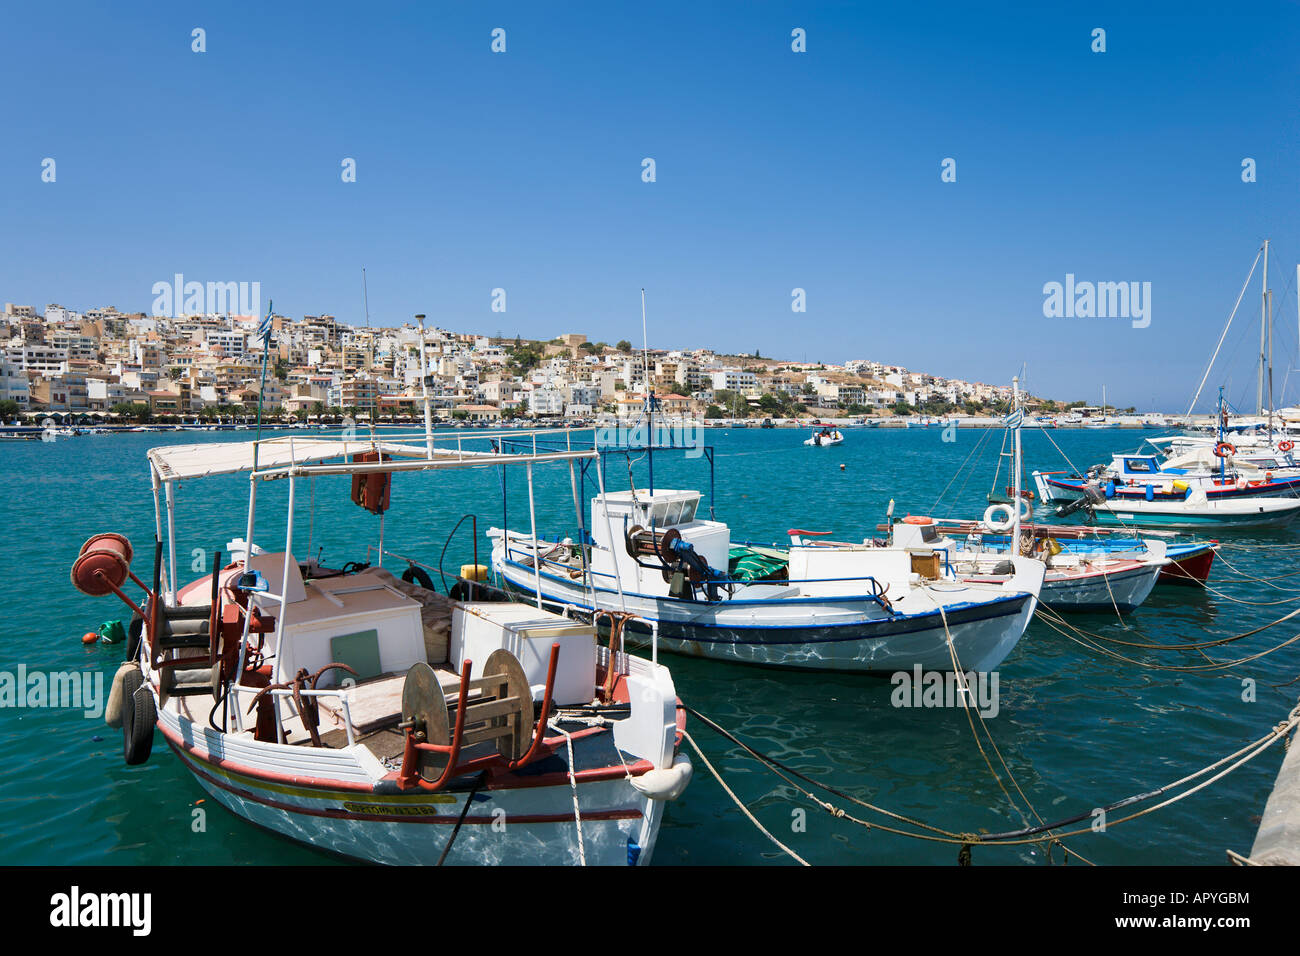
334,814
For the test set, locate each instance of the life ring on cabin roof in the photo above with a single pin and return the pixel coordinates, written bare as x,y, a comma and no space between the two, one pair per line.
1285,445
1224,448
918,519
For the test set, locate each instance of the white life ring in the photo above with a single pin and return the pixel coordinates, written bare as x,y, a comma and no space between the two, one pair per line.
1026,509
999,527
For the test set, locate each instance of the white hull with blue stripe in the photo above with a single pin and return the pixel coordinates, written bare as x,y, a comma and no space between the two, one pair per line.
861,609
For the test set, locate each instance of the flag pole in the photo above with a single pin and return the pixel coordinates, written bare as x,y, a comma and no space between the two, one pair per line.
264,332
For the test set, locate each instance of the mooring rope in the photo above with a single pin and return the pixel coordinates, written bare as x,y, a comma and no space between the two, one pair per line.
960,674
1268,582
1064,628
739,803
1011,838
573,783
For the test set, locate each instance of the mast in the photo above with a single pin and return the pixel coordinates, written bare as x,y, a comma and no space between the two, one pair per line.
1268,298
424,390
1223,467
1015,467
1263,331
649,398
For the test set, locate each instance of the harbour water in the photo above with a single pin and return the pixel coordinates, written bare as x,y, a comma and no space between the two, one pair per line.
1078,729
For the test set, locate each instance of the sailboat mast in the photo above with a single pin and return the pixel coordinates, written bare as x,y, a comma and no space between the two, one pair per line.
424,391
1263,332
649,398
1015,467
1268,297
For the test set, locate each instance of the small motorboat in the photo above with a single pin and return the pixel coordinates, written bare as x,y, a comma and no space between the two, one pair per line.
826,437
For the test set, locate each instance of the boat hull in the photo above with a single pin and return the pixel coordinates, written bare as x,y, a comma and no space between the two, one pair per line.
376,822
810,635
1123,591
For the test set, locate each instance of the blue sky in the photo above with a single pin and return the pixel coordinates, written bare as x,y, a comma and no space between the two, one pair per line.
775,170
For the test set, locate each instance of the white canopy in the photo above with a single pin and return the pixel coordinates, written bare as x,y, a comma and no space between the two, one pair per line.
178,462
331,456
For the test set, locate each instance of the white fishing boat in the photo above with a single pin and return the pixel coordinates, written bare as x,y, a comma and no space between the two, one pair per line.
651,554
1076,578
1198,489
367,714
1079,578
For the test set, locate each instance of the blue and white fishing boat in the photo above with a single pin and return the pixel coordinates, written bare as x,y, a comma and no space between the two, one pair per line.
651,555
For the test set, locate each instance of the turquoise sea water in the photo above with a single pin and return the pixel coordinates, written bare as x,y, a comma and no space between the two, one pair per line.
1076,728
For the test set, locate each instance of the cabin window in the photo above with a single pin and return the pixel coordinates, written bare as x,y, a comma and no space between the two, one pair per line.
1139,465
688,510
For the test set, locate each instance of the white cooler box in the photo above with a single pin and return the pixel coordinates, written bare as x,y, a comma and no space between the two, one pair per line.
528,633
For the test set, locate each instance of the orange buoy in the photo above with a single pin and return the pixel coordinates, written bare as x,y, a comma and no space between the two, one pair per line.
90,637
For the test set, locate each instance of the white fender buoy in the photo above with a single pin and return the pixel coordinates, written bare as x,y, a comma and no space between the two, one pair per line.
668,783
113,709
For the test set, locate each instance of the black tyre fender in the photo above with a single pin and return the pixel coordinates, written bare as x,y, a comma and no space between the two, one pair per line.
417,575
134,634
139,715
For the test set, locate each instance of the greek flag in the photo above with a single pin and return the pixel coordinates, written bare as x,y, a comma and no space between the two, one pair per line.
264,328
1014,419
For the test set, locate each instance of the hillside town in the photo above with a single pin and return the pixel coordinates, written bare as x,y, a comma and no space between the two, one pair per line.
109,365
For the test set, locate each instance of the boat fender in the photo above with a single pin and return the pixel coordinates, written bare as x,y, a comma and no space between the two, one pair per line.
1241,484
993,523
113,709
139,714
667,783
1110,488
1151,493
417,575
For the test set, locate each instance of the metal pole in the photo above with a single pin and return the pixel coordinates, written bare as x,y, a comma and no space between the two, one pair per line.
609,533
1269,298
582,533
1263,329
1015,475
537,551
424,390
288,553
171,542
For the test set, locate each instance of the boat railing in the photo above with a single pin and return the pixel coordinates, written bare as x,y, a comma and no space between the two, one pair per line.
877,593
278,694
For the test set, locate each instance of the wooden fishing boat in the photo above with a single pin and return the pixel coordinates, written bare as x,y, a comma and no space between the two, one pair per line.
369,714
854,609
